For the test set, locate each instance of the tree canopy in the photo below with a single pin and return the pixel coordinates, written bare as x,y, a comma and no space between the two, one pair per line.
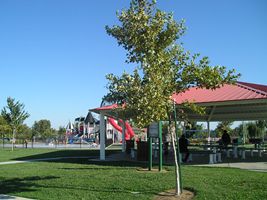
150,36
42,128
15,115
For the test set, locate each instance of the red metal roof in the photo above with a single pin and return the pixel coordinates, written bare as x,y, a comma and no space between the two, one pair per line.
239,91
109,107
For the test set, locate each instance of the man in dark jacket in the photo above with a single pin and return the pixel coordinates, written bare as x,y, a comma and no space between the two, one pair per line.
226,138
183,146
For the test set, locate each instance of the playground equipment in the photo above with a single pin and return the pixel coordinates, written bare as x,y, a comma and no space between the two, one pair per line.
129,133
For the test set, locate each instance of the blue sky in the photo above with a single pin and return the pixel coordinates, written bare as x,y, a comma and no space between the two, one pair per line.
54,54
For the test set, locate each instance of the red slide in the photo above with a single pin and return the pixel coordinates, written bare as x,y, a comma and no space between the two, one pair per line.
129,133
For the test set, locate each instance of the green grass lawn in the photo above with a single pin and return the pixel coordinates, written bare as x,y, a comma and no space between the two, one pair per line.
83,179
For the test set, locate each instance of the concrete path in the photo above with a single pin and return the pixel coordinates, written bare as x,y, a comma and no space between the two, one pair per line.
253,166
7,197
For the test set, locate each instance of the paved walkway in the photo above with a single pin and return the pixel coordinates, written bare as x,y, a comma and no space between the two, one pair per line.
7,197
254,166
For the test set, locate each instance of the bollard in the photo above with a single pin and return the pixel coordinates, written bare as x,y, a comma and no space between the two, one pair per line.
219,157
228,153
211,159
235,152
244,154
190,158
214,155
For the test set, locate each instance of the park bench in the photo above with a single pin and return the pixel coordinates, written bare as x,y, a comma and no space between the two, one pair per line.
210,153
242,151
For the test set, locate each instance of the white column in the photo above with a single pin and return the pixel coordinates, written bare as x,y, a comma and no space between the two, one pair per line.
244,133
211,158
123,137
219,157
102,136
208,126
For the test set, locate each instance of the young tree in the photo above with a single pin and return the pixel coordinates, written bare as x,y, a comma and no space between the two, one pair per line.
15,115
4,129
149,36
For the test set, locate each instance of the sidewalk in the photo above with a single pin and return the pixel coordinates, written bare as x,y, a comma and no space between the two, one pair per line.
7,197
256,166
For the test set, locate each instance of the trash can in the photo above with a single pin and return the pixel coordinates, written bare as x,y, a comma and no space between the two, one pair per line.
142,151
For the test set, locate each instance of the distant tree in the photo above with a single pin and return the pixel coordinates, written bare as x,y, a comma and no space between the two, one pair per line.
224,125
4,129
42,129
193,128
252,129
15,115
261,125
238,131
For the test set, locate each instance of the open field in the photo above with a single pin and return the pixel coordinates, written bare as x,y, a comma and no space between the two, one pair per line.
83,179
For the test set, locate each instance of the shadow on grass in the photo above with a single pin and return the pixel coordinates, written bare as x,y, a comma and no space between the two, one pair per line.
61,153
85,157
27,184
91,156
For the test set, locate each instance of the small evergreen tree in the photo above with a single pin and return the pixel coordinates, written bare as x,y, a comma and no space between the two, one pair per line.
15,115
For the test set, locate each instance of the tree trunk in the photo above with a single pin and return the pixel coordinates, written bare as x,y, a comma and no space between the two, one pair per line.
3,137
13,140
177,175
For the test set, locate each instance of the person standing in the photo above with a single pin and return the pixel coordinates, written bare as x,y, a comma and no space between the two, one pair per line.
183,146
226,140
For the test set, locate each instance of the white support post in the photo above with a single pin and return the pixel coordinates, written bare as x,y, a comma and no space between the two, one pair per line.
214,155
102,137
123,137
208,126
219,154
244,134
235,151
211,158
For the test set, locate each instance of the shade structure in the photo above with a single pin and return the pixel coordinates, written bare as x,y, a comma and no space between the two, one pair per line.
239,102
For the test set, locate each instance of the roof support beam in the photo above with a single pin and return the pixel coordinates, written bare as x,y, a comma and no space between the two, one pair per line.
211,113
